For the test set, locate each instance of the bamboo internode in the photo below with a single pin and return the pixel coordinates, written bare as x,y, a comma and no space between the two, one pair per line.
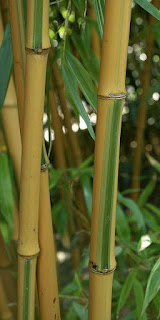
111,93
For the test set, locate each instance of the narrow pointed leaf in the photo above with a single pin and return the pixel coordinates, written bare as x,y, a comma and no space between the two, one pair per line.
6,196
122,227
146,192
83,79
137,214
147,6
99,6
126,290
139,298
6,63
73,90
153,285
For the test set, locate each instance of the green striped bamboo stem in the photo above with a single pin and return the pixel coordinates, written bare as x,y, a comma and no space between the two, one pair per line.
111,95
45,229
37,48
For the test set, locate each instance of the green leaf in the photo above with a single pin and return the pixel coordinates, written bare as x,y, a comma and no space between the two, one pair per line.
59,215
130,204
80,310
147,6
99,6
54,176
6,63
122,227
70,288
126,290
83,79
81,6
155,31
73,91
153,285
154,209
89,58
6,196
139,298
87,191
153,162
147,192
150,220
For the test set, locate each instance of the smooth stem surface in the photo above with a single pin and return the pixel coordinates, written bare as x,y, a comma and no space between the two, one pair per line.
46,265
111,93
37,46
142,110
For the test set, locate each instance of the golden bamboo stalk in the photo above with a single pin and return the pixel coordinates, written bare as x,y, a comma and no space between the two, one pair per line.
46,267
49,232
37,48
141,121
111,95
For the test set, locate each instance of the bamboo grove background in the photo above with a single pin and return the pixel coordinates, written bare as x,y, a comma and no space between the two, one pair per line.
73,45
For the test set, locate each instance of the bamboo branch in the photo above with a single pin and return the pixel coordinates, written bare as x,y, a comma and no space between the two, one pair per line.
111,95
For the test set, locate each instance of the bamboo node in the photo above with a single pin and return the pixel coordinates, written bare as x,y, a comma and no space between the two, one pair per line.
44,166
94,268
113,96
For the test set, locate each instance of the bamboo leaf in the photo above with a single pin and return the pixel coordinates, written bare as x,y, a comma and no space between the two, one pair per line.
154,163
73,90
153,285
130,204
59,215
99,6
88,56
147,192
87,191
80,310
150,220
139,298
83,79
81,6
126,290
153,209
122,227
6,63
6,196
149,7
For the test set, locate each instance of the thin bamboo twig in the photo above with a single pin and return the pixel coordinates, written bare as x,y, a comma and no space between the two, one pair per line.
37,48
141,122
111,95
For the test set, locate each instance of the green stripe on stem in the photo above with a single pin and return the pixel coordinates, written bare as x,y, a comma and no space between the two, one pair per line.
26,290
20,31
38,20
108,198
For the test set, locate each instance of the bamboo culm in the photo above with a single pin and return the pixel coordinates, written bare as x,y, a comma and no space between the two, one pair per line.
37,48
111,96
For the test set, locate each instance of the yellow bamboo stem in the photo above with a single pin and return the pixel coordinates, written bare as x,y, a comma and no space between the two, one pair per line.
46,267
111,94
141,122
